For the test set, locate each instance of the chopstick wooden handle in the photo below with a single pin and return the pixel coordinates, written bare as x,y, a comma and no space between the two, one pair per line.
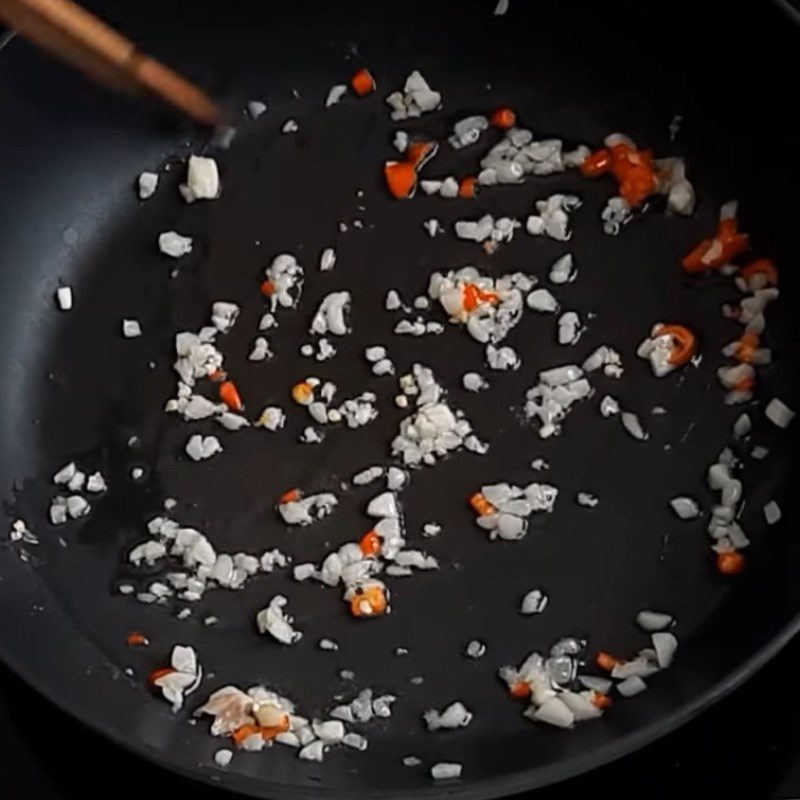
72,34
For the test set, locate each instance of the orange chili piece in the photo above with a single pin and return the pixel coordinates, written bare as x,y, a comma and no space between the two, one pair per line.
229,395
597,163
401,178
362,82
370,543
503,118
716,252
217,375
244,732
159,673
271,731
761,266
466,187
481,505
748,344
635,173
601,701
730,562
268,288
685,343
632,168
420,152
520,690
303,393
136,639
606,661
374,597
473,295
292,496
745,385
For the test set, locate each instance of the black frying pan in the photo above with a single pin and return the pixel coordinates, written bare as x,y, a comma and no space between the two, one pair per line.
73,388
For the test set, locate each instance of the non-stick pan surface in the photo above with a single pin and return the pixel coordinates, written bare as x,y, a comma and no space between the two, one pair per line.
73,388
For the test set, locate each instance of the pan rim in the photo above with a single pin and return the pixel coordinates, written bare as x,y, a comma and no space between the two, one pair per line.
22,663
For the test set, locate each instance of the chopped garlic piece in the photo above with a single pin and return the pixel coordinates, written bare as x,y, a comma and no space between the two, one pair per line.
327,260
260,351
335,94
331,316
456,715
305,510
64,298
534,602
552,218
474,382
772,513
632,425
444,771
199,448
147,185
276,623
173,244
202,180
685,507
131,328
563,270
255,108
543,301
778,413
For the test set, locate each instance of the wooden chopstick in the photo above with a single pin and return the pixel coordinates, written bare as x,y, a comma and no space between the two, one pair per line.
71,33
